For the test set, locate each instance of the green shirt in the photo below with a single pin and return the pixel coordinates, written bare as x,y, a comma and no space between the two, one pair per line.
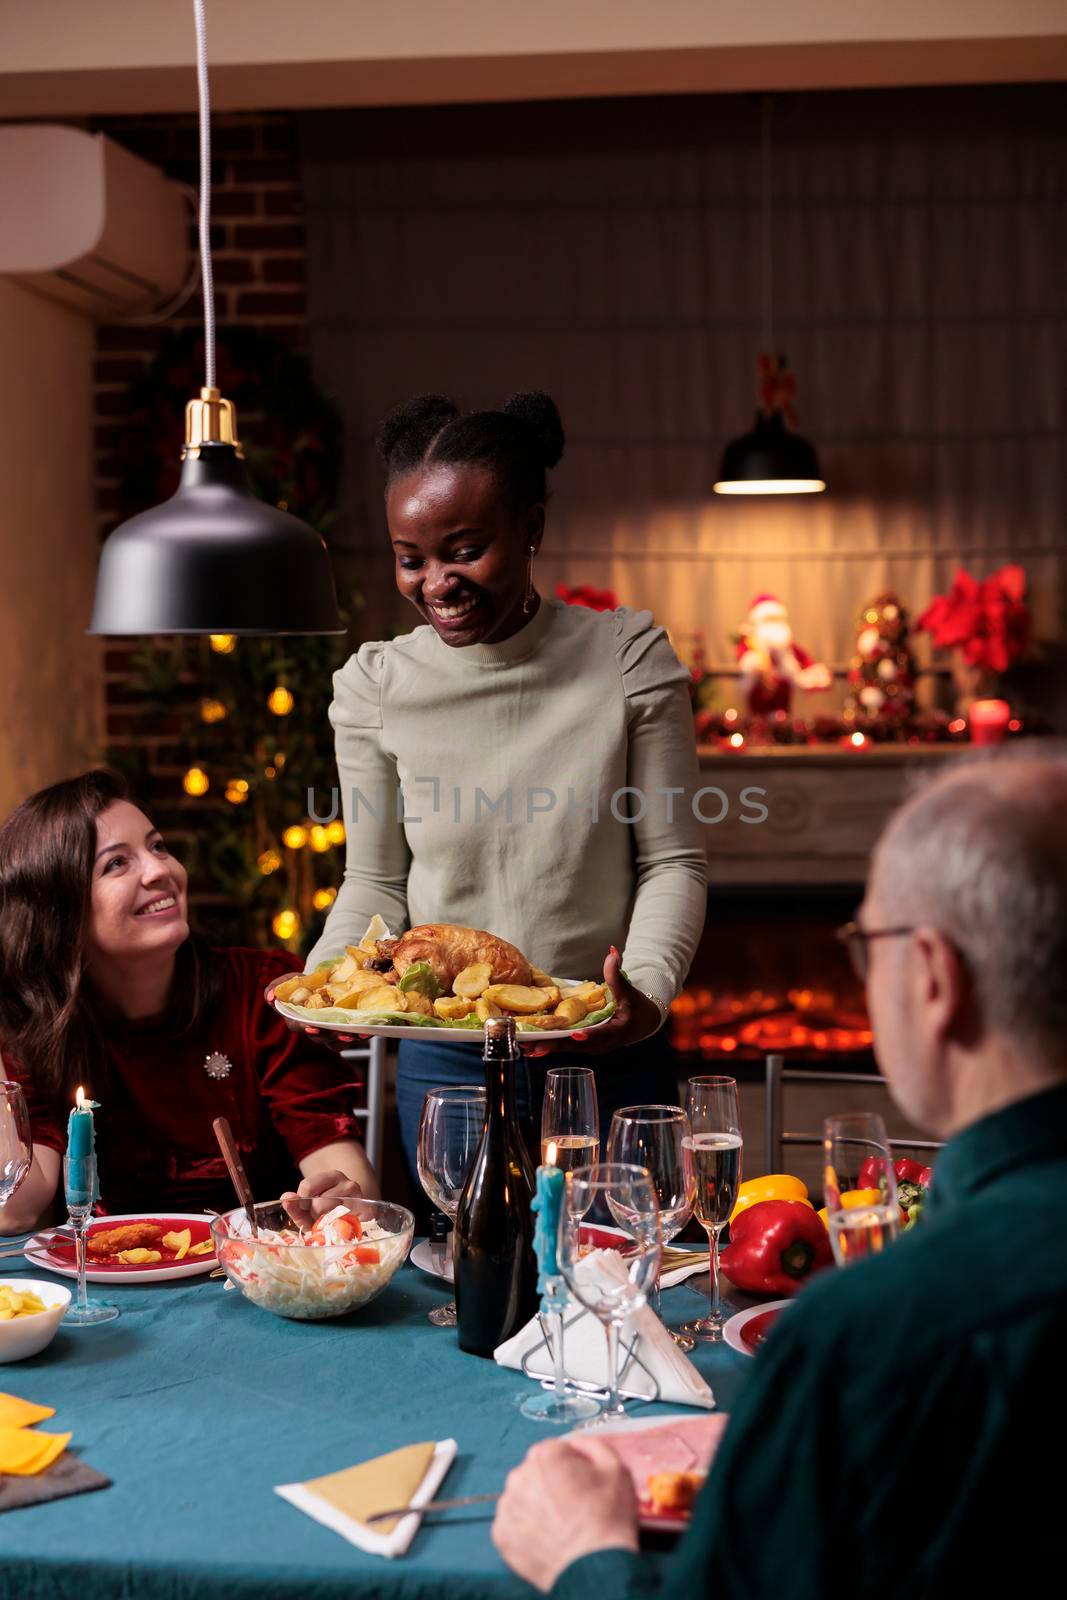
903,1431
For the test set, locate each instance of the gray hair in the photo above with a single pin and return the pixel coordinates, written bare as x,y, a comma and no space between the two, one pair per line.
981,854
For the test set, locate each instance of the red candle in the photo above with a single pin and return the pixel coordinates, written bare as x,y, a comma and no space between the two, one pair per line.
989,721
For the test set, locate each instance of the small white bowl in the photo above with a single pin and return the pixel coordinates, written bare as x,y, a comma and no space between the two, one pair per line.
28,1336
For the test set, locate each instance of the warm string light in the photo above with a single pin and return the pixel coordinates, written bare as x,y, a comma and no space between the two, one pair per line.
335,832
323,899
223,644
195,781
280,701
212,711
269,861
286,924
295,838
237,791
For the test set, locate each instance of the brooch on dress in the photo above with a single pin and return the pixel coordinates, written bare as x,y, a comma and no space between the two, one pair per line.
216,1065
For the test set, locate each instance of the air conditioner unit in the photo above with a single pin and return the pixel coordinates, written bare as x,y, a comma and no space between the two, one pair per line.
87,223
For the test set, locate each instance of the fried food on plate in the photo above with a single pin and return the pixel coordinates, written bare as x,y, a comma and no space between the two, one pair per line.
674,1491
130,1236
445,975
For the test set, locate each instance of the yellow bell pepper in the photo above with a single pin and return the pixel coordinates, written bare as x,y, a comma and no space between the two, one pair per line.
773,1186
854,1197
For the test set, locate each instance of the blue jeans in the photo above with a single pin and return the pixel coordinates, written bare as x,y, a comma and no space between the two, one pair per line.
639,1074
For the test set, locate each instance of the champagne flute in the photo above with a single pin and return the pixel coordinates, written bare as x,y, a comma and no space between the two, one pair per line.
450,1131
713,1146
859,1227
612,1286
653,1137
570,1119
16,1140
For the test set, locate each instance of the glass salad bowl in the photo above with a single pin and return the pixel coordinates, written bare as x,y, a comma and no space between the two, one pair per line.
340,1264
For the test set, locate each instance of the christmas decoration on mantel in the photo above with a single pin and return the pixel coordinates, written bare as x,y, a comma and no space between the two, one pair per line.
881,677
771,662
985,623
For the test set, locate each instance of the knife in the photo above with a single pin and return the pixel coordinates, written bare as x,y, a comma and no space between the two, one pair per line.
433,1505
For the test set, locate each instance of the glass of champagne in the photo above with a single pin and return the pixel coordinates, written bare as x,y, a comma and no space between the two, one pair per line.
570,1119
613,1290
713,1146
16,1141
653,1137
862,1213
450,1131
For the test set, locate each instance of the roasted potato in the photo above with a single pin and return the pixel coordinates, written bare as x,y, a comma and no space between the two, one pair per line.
540,978
318,1000
421,1004
594,994
359,983
487,1008
472,980
521,998
546,1022
572,1010
384,998
286,990
298,996
453,1005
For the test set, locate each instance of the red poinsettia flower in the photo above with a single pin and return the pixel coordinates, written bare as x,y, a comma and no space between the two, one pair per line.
988,620
583,594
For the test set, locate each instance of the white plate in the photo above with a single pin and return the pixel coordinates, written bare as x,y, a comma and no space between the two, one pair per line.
660,1524
400,1030
40,1257
731,1328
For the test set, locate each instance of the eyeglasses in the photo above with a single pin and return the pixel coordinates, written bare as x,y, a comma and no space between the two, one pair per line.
856,939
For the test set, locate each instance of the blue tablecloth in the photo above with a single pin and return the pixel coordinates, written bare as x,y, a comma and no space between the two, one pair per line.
197,1403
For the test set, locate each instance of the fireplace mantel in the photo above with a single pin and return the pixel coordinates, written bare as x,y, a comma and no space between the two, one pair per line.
826,805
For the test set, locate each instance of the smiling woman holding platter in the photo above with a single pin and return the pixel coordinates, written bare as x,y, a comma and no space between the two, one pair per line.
516,765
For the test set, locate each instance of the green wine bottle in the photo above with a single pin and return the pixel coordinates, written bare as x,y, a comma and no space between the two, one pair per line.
494,1263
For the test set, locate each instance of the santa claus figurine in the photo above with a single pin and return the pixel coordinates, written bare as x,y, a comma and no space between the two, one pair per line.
771,661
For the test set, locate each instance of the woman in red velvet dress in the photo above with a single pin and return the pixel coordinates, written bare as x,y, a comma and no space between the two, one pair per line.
102,984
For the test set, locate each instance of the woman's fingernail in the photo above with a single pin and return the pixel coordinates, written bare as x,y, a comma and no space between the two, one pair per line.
581,1034
346,1038
311,1030
614,952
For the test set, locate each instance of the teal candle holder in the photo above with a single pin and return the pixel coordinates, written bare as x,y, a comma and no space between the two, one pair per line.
559,1404
80,1191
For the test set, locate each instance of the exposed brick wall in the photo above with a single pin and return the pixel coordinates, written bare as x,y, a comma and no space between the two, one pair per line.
259,268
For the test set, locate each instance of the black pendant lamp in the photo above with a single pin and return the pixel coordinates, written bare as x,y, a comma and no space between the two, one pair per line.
213,558
771,458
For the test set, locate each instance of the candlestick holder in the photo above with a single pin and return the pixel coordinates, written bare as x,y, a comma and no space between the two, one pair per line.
560,1404
79,1184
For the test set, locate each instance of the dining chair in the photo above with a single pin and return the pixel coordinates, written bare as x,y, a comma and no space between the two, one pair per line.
373,1112
777,1075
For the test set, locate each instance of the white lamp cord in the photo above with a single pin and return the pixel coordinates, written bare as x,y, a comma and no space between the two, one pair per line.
205,194
768,248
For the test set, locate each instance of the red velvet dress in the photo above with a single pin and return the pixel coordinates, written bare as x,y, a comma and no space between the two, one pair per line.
284,1096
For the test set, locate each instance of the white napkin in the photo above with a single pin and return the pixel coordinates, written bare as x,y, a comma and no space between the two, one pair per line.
585,1347
375,1544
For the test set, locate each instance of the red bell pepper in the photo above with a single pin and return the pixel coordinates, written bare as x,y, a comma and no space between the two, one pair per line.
906,1170
775,1246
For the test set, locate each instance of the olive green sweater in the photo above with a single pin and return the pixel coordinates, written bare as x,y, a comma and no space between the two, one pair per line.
540,788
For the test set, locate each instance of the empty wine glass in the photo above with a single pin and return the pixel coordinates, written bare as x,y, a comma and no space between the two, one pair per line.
450,1131
611,1285
570,1119
859,1186
653,1137
16,1140
713,1147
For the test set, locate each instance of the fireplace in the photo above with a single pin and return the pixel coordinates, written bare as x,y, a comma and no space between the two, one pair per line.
770,975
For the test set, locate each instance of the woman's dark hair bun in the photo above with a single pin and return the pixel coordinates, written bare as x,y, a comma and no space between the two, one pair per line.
409,429
538,413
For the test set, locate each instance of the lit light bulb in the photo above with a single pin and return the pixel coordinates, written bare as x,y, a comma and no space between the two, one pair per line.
280,701
268,862
237,791
335,832
737,740
224,644
320,839
286,924
195,781
295,838
322,899
212,711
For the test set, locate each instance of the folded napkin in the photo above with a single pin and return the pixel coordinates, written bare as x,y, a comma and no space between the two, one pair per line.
24,1453
585,1347
344,1500
69,1475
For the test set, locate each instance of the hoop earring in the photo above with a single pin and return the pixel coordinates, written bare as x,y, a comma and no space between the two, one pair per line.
531,594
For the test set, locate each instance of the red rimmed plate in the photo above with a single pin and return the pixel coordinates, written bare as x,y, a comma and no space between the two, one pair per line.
685,1443
748,1329
55,1252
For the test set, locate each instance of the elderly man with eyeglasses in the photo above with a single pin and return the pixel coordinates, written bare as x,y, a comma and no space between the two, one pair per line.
900,1433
